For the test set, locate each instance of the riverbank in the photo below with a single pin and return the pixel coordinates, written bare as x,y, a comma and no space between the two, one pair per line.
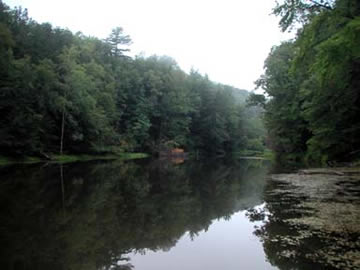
251,154
4,160
316,213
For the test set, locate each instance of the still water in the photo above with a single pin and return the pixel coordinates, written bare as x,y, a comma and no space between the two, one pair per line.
143,215
227,244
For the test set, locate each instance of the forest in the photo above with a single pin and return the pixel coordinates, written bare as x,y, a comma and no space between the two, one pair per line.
62,92
312,83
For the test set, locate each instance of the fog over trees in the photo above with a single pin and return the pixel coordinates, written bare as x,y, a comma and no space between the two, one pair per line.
70,93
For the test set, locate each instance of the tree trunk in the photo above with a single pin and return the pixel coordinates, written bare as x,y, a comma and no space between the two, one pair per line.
62,189
62,131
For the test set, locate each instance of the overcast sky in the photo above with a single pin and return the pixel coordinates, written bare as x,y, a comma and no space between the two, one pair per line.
226,39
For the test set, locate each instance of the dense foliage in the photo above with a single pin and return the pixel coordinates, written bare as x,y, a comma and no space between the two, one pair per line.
73,93
312,83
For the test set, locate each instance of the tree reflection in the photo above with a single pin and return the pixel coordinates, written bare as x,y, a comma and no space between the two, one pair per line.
90,215
289,245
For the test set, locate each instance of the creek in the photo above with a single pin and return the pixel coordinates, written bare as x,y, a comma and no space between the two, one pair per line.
157,214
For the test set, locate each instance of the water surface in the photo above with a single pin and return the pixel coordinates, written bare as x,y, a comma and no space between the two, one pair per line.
227,244
139,214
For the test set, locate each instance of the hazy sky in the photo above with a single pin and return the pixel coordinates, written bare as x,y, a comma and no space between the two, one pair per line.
228,39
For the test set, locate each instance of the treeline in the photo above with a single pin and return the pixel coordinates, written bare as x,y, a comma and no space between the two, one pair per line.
312,111
65,92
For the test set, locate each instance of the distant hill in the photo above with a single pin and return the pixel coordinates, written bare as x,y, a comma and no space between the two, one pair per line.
240,94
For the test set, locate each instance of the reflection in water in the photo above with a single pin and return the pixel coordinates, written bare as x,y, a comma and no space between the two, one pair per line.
227,244
310,223
282,243
90,215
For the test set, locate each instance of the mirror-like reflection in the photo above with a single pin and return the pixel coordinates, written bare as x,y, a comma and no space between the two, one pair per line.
90,215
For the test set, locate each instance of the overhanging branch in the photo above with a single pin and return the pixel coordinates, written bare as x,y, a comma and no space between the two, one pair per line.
326,5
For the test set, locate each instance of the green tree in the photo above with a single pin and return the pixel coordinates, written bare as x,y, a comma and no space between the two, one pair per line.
299,11
117,40
286,125
311,82
71,93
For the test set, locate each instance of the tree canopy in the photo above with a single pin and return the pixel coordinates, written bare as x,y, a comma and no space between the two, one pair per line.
65,92
312,83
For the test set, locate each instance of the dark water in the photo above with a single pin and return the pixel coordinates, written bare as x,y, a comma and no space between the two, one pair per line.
141,215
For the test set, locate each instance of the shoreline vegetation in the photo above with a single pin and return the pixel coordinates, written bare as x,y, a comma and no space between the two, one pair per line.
5,160
68,158
70,93
311,97
334,168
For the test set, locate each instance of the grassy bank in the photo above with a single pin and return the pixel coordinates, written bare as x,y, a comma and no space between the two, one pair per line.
71,158
266,154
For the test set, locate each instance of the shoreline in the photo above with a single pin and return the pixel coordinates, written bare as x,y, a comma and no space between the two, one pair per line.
5,160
